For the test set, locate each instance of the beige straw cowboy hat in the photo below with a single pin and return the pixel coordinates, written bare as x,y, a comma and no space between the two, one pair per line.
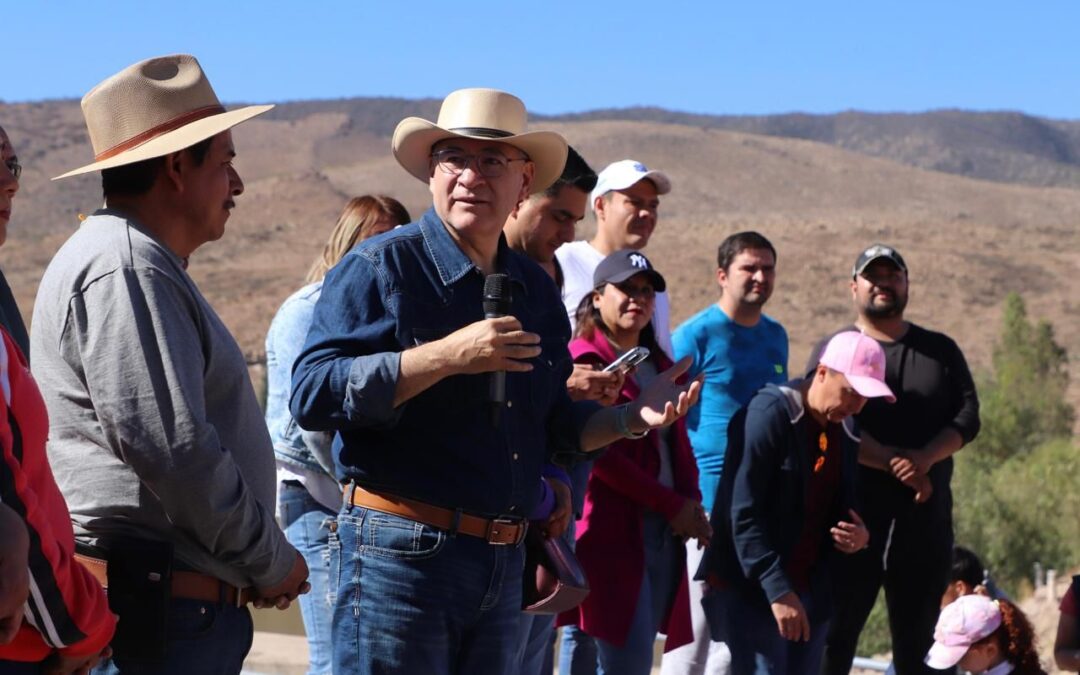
153,108
482,114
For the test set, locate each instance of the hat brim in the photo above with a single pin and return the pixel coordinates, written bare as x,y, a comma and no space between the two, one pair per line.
860,270
175,140
414,137
658,283
942,656
870,387
659,179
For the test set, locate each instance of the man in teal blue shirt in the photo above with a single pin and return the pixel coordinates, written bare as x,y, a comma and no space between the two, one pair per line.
739,350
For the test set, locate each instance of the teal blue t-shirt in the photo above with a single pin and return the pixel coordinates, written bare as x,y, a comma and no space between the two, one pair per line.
737,361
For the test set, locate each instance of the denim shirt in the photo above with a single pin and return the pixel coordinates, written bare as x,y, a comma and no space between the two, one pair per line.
308,451
402,289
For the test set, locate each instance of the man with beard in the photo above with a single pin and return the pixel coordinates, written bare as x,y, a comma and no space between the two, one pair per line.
905,469
739,350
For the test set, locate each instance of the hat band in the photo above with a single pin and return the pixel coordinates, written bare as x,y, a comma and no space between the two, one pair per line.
483,132
161,129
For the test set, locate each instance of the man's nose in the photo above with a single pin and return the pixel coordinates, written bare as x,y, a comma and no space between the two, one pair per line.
8,182
236,184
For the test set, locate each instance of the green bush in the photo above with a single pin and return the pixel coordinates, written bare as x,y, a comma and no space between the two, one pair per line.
1014,490
1020,511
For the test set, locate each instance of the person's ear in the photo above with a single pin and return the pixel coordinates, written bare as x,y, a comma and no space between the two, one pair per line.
173,170
528,175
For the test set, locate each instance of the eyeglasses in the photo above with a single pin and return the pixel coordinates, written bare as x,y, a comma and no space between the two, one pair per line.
14,167
638,292
488,164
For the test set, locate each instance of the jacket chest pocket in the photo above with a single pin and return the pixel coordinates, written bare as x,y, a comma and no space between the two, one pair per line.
549,374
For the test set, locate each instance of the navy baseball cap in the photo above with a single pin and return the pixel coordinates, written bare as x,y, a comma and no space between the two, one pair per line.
621,265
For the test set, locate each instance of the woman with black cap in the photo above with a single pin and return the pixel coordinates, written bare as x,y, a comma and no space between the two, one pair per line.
642,499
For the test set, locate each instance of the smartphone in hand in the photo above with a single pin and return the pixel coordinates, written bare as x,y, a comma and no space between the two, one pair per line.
628,361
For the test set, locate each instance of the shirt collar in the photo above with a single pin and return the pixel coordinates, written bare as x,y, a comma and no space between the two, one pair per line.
451,261
1003,668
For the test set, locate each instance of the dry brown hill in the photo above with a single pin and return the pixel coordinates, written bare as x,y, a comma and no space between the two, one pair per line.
968,242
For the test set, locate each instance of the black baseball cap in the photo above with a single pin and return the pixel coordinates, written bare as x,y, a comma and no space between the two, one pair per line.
876,252
621,265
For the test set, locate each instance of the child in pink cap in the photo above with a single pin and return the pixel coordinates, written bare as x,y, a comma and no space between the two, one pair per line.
984,636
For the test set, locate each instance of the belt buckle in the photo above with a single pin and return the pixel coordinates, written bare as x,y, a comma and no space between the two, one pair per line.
493,529
224,593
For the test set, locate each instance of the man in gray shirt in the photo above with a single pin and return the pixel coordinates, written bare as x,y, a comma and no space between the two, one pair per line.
157,440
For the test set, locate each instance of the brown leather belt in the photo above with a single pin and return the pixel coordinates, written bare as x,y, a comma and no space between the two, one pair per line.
500,531
186,585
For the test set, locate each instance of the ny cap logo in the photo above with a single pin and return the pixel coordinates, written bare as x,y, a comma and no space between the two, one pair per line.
639,261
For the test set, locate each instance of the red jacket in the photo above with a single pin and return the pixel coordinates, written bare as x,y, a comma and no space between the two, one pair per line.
610,542
67,609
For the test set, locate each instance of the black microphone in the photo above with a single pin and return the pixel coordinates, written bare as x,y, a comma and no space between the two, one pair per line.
497,297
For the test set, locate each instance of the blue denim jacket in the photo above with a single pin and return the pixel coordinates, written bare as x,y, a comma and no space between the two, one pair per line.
399,290
292,445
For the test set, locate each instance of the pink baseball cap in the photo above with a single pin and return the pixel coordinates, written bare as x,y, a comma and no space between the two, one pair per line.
861,360
962,623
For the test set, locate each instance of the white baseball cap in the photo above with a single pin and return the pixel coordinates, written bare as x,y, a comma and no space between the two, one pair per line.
626,172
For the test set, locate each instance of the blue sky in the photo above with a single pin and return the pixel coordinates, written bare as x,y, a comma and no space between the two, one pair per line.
712,57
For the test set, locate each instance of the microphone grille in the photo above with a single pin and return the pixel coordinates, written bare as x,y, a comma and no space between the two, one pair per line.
497,287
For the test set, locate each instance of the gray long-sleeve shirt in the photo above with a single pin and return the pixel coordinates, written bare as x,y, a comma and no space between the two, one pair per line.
155,431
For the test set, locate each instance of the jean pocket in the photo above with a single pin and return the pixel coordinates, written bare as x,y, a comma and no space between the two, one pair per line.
390,536
190,619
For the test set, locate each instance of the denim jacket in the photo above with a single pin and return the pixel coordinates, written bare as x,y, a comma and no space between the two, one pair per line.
292,445
405,288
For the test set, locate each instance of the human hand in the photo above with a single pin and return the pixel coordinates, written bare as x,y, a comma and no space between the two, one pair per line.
14,572
559,519
663,401
922,486
284,592
58,664
587,383
850,537
903,468
691,522
490,345
910,472
791,619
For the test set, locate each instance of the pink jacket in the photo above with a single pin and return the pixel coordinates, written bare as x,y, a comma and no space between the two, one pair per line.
610,543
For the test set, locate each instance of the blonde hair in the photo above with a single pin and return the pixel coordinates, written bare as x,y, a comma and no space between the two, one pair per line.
356,224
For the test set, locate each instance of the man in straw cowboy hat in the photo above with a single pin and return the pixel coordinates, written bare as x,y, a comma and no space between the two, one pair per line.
157,440
399,361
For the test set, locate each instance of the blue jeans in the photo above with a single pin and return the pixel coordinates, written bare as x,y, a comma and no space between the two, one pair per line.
577,649
535,644
757,648
414,599
307,527
663,569
204,637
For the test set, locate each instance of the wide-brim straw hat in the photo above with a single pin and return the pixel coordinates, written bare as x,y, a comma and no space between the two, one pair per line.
485,114
153,108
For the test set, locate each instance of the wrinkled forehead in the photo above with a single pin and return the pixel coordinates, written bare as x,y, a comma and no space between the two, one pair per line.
477,145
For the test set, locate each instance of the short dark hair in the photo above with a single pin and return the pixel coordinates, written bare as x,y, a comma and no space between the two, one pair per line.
967,567
739,242
576,173
135,179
